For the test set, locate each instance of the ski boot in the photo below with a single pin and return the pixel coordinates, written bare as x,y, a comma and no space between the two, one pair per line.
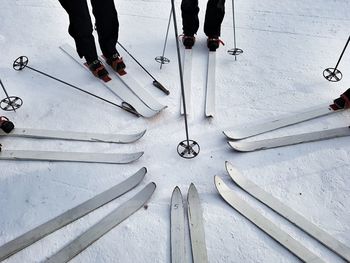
213,43
98,69
343,102
6,125
188,41
117,63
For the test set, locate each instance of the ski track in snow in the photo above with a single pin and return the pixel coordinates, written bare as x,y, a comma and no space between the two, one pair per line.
286,48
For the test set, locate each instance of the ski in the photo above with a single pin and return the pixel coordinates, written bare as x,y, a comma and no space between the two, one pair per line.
71,215
264,224
187,71
136,88
103,226
195,219
121,91
177,227
113,158
282,121
210,90
294,217
243,146
74,136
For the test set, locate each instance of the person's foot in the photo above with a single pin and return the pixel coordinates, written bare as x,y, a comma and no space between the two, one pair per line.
98,69
116,62
213,43
188,41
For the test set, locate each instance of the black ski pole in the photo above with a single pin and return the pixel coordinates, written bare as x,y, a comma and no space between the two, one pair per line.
187,148
22,62
161,59
156,83
334,74
234,51
10,101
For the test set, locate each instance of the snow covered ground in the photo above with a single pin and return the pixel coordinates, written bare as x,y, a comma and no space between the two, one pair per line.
287,45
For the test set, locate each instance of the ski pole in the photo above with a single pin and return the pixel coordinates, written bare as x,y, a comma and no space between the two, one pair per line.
10,100
22,62
161,59
156,83
234,51
187,148
334,74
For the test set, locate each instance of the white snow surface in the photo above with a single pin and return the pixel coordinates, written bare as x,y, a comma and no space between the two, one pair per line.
287,45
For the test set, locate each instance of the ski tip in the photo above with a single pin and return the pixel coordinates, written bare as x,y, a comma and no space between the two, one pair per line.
176,192
143,170
192,189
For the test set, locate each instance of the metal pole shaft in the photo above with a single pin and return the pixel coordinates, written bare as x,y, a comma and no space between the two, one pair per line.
234,26
136,60
342,53
166,38
180,71
8,97
89,93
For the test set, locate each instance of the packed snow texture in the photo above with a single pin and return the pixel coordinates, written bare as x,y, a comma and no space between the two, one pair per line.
287,45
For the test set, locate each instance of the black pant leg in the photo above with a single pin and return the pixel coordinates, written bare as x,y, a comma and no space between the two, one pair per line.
80,28
189,13
214,16
107,25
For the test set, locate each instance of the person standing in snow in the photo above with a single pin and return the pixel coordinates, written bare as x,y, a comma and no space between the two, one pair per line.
107,25
214,16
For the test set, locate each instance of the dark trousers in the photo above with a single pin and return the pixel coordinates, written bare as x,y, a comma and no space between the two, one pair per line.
213,17
80,26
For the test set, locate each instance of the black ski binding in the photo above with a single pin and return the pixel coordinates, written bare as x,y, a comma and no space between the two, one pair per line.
188,149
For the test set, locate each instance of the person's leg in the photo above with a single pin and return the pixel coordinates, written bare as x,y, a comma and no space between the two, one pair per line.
213,18
80,28
107,25
189,13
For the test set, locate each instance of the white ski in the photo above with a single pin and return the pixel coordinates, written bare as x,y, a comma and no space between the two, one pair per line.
210,91
121,91
71,215
114,158
139,91
187,71
243,146
74,136
177,219
294,217
195,218
103,226
279,122
264,224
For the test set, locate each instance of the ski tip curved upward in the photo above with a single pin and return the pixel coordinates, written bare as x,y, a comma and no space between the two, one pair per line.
139,135
136,156
235,146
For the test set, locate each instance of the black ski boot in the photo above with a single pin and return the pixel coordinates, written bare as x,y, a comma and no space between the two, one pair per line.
117,63
6,125
213,43
188,41
98,69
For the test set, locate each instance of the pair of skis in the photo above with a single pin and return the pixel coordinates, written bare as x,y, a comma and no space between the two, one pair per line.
195,220
96,231
210,83
131,93
114,158
269,227
340,104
